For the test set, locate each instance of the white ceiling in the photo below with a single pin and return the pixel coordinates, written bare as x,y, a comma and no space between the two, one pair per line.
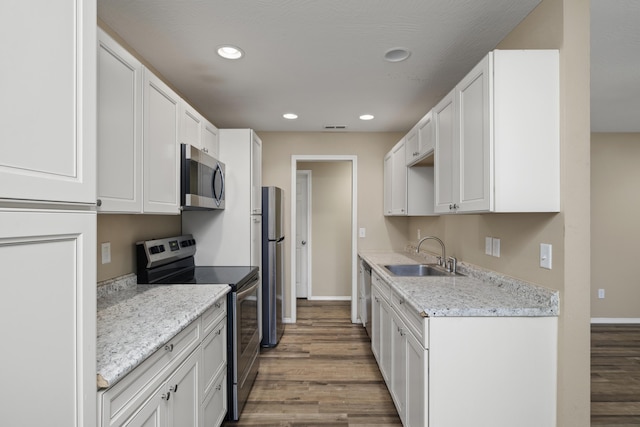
323,59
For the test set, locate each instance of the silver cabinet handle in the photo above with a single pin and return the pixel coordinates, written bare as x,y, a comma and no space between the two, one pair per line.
218,305
219,331
219,387
174,388
304,242
166,396
169,347
99,202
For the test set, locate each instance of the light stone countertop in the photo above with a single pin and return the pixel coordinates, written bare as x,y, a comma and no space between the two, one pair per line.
135,321
478,293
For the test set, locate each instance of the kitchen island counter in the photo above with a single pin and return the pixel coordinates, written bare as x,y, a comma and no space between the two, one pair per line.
134,321
478,293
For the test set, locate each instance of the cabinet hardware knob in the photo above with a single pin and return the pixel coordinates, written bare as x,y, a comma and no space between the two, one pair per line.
218,305
219,387
168,347
99,202
304,242
174,388
166,396
219,331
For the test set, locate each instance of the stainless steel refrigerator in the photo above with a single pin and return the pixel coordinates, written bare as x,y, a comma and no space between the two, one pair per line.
272,265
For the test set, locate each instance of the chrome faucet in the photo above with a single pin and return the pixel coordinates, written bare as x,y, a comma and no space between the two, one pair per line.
442,260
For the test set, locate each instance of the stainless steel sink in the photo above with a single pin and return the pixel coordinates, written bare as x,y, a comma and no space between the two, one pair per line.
417,270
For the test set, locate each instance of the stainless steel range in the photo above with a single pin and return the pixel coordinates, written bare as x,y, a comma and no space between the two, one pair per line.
170,261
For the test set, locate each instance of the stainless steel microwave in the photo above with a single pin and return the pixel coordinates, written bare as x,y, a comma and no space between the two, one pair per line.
201,180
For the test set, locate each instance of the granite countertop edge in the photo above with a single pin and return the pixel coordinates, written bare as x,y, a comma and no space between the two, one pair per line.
131,327
479,293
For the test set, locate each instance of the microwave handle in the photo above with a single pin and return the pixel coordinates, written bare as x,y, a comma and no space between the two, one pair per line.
242,295
217,197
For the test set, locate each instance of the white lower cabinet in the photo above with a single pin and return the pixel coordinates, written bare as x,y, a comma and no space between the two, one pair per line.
183,384
464,371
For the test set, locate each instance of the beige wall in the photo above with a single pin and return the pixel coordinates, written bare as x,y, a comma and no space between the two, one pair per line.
123,231
370,148
330,228
615,231
564,25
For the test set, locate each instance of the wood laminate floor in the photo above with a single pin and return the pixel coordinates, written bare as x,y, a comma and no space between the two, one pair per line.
615,375
322,373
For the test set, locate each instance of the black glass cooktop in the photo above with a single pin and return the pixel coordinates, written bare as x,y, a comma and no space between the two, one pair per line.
235,276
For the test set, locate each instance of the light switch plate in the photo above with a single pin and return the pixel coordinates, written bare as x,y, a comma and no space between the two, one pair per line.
496,248
106,252
488,245
545,256
363,232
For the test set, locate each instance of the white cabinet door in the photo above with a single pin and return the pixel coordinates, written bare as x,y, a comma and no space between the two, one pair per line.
412,150
445,168
385,340
473,180
214,407
399,179
161,148
191,123
388,166
398,373
47,117
48,317
184,402
210,142
119,164
417,408
152,414
425,136
256,174
375,323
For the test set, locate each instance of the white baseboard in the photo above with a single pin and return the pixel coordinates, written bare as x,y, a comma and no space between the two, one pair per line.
335,298
621,320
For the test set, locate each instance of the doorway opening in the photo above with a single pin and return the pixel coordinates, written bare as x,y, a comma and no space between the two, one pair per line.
349,259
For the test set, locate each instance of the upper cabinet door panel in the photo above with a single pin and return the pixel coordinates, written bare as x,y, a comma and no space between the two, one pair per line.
47,131
119,128
190,125
445,153
161,149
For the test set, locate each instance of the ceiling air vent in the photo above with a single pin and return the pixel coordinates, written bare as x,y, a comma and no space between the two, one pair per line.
335,127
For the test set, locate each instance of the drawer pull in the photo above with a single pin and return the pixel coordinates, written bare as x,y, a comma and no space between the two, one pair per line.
218,305
219,387
219,331
174,388
166,396
169,347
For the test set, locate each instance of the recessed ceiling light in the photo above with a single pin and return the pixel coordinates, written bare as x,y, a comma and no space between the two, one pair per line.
397,54
366,117
290,116
230,52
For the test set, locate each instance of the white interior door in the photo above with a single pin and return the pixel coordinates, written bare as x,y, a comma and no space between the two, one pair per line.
303,184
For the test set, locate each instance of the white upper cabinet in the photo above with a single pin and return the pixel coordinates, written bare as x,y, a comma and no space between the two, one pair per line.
191,123
399,179
210,142
407,190
502,151
47,119
119,123
420,142
161,148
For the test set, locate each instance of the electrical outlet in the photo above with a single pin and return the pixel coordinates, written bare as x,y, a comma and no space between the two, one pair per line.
495,250
601,293
106,252
488,245
419,236
363,232
545,256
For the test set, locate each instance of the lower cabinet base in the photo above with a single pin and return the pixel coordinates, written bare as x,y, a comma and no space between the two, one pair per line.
214,407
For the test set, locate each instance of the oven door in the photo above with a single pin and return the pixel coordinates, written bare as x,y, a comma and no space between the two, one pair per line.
246,343
201,180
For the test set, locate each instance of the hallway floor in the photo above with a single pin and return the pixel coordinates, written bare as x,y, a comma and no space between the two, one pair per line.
322,373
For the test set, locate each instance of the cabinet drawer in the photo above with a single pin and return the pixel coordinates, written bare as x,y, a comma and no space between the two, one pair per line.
212,316
214,356
214,407
121,400
383,288
417,324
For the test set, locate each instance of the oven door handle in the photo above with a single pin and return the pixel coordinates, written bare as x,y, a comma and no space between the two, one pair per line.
242,295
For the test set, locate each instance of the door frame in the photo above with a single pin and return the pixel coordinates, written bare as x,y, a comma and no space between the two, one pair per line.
308,281
354,223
